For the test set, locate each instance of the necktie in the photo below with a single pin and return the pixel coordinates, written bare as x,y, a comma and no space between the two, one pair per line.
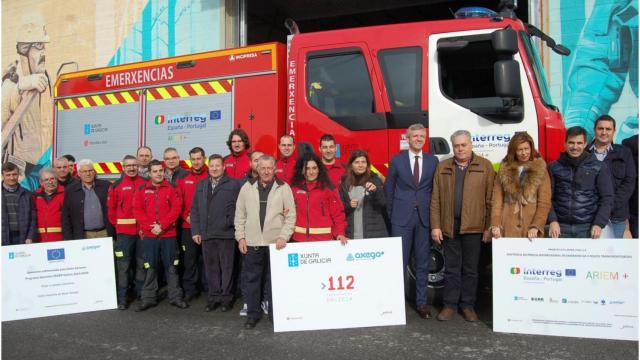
416,170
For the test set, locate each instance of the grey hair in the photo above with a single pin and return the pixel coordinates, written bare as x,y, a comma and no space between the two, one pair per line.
267,157
62,159
415,127
460,133
85,162
46,171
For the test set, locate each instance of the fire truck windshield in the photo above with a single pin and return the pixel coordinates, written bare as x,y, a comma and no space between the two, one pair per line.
538,69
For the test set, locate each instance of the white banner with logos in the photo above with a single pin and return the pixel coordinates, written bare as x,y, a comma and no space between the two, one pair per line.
566,287
57,278
324,285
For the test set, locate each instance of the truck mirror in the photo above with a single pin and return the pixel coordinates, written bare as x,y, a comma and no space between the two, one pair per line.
439,146
505,41
506,78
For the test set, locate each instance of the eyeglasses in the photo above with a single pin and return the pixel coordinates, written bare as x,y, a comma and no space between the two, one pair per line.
37,45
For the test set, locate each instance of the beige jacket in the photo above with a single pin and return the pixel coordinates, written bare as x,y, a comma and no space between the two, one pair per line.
276,224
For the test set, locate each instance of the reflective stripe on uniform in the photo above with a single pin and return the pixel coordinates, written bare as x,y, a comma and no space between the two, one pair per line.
119,253
313,231
50,230
126,221
146,265
176,262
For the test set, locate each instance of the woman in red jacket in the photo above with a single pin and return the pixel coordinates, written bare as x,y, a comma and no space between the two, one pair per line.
319,210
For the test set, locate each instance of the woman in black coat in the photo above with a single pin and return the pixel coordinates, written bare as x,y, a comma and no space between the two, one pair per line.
363,199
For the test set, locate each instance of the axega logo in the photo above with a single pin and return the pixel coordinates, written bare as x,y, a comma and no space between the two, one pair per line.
367,255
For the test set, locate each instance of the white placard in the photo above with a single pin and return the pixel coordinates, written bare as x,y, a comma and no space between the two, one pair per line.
324,285
56,278
566,287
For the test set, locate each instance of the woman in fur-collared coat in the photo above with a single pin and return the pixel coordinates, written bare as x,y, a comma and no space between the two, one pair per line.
521,192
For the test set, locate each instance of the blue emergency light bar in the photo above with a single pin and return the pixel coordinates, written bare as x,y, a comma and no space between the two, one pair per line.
474,12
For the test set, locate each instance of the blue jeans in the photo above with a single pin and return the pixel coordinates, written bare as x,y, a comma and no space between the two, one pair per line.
618,228
575,230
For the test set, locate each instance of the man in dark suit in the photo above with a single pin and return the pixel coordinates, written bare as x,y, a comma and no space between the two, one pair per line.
408,191
84,212
632,144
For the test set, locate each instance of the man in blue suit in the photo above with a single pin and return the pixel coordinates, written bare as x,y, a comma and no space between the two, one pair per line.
408,191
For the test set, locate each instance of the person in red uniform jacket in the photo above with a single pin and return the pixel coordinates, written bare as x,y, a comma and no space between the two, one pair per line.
237,164
157,206
286,164
120,212
192,251
48,201
319,210
334,166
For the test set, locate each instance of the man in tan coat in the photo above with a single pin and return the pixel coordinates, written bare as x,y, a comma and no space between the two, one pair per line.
265,214
460,220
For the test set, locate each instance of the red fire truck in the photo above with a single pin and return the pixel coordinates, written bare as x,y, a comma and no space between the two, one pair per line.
480,72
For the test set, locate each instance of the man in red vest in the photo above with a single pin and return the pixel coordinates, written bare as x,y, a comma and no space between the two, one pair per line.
120,212
286,164
157,206
237,164
48,201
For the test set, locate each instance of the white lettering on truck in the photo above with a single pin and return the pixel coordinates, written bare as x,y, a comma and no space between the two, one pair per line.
140,76
291,96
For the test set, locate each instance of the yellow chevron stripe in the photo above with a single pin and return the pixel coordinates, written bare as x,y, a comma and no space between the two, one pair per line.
164,93
112,168
150,96
188,162
97,100
84,102
230,81
60,107
113,99
374,169
97,168
217,87
198,89
127,96
70,104
181,91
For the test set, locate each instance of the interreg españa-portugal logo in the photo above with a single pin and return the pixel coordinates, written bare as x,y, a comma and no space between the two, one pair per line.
293,260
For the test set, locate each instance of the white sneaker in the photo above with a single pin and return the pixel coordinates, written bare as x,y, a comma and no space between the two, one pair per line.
243,312
265,307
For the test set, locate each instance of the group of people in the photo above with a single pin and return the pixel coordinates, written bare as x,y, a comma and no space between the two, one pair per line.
188,225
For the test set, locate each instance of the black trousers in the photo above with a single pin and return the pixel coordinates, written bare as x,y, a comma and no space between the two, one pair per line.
461,256
256,273
192,262
218,256
165,251
125,252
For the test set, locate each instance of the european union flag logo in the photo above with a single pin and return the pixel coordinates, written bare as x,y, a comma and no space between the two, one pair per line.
55,254
293,260
87,129
215,115
569,272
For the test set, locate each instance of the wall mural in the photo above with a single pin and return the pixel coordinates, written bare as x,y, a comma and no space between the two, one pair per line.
37,40
601,74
